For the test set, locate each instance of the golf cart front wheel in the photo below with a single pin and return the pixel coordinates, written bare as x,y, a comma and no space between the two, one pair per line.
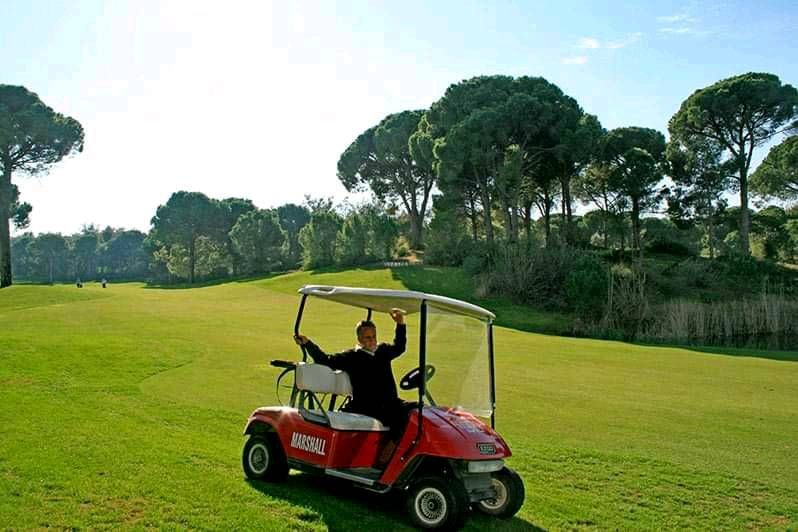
436,503
509,494
263,458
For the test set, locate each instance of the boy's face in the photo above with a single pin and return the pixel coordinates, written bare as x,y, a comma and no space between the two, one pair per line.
368,338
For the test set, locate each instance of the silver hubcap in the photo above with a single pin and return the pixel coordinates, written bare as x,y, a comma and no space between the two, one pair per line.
258,458
430,506
500,499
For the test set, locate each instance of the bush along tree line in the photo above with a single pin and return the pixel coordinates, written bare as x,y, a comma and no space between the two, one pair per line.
488,179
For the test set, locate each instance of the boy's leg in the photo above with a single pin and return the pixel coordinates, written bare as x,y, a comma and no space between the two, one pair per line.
396,419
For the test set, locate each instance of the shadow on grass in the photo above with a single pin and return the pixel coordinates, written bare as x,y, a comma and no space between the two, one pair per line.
785,356
212,282
344,269
341,506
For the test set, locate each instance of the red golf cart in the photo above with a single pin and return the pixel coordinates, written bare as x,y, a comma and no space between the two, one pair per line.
448,458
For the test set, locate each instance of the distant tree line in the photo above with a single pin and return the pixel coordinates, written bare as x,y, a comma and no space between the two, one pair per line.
193,237
114,254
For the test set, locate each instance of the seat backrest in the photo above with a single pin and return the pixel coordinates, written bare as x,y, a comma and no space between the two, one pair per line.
319,378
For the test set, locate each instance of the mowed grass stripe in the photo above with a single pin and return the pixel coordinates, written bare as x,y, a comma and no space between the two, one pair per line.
127,410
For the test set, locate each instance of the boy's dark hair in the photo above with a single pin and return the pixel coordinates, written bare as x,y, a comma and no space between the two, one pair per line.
364,324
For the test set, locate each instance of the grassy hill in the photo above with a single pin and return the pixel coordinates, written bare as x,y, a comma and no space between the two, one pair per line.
124,407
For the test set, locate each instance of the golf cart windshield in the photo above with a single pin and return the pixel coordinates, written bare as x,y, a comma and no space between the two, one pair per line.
456,339
458,349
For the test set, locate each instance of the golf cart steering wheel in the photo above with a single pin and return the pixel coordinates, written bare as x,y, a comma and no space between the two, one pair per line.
412,378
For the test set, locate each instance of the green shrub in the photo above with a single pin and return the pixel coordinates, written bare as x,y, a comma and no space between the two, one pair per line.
739,265
537,277
695,272
663,236
473,265
669,247
447,243
318,239
402,247
586,287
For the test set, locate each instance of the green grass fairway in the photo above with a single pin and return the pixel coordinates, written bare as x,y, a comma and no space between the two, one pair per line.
124,407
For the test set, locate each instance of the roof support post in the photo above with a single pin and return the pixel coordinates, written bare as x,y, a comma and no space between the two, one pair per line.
296,326
422,387
492,376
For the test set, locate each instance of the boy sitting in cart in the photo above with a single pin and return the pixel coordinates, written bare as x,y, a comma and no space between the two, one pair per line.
368,365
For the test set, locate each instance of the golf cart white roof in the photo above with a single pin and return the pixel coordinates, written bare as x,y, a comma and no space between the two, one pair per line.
381,300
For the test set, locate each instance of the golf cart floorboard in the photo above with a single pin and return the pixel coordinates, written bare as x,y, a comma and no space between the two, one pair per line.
362,475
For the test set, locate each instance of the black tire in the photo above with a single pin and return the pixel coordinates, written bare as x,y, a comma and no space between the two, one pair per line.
437,503
263,458
510,495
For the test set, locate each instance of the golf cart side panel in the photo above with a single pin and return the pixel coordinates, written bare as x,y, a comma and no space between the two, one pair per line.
319,445
329,448
446,433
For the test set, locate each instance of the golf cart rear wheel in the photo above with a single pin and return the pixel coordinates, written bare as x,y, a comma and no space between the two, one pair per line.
437,503
509,494
263,458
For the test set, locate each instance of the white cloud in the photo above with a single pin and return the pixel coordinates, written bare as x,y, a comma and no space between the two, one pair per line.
588,43
680,24
683,18
629,39
575,60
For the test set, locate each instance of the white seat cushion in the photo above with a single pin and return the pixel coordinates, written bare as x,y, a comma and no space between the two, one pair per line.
277,409
350,421
338,420
321,379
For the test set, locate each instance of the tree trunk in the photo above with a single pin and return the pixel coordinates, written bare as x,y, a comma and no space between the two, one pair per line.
512,233
565,210
745,220
527,214
547,217
636,225
486,212
622,231
566,193
473,215
711,237
5,249
423,213
415,230
191,257
5,235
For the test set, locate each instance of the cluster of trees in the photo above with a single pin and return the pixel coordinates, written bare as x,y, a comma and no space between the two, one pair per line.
196,236
499,147
193,235
352,236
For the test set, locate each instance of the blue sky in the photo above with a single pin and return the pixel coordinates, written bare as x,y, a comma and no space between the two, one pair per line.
258,99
